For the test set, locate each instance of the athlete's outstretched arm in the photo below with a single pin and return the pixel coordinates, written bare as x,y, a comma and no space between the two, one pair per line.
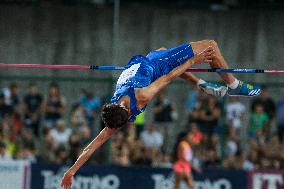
86,154
147,93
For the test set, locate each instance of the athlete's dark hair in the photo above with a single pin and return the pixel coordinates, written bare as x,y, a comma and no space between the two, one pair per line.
114,116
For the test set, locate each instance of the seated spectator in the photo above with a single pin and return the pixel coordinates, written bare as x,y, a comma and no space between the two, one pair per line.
192,100
26,141
258,120
265,100
244,163
54,105
3,154
232,145
195,134
11,98
60,134
211,158
85,136
48,145
8,136
28,154
231,162
75,147
166,161
235,114
271,151
280,118
4,109
32,109
78,118
91,105
122,156
254,152
141,156
209,116
151,137
164,114
61,155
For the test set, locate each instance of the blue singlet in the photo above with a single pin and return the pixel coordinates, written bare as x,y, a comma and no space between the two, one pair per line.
142,71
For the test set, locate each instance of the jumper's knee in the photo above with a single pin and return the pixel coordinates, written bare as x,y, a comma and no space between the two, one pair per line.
213,43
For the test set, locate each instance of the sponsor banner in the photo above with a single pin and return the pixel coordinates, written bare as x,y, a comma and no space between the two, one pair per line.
14,175
115,177
266,179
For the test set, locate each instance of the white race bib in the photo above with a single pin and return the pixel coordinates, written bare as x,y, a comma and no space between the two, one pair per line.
128,73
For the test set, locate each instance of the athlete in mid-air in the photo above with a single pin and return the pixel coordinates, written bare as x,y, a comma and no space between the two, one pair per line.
145,76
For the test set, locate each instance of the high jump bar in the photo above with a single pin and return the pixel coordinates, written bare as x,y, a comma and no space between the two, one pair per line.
93,67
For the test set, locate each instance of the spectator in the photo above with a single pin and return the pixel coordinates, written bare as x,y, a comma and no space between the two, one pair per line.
28,154
269,107
192,101
210,115
75,146
231,162
254,152
32,109
26,141
235,114
244,163
163,108
232,144
266,101
60,134
78,119
3,155
195,134
141,156
11,98
164,114
91,105
61,155
4,109
258,120
8,136
280,118
53,106
151,137
48,145
271,152
85,136
211,158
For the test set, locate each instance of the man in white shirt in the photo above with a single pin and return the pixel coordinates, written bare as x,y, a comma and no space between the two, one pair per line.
235,112
60,134
151,137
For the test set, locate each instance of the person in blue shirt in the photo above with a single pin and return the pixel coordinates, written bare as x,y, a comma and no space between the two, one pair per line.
145,76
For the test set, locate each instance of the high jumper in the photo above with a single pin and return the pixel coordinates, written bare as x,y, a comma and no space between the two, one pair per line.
146,76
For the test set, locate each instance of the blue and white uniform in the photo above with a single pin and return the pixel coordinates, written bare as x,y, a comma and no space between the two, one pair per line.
141,71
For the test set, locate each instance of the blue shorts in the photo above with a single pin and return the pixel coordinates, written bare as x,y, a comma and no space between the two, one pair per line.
167,60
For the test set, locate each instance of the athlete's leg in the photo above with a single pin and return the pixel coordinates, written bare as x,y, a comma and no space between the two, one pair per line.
218,60
236,87
207,87
178,179
189,180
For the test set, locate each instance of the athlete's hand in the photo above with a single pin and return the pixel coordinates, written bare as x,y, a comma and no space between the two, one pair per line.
205,56
66,181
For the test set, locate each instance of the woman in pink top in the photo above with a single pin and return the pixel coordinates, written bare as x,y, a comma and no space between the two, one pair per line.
182,167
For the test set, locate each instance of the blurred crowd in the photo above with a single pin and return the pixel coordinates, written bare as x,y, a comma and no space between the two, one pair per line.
222,133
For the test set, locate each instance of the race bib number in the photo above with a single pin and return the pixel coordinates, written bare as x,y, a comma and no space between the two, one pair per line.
128,73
